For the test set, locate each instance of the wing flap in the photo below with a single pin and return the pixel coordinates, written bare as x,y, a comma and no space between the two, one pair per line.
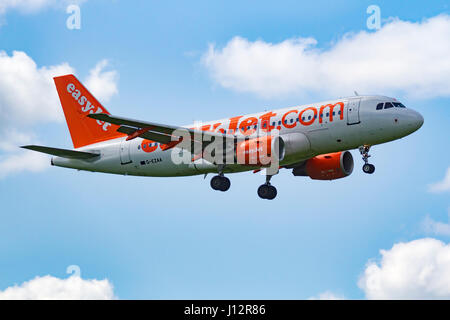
65,153
150,135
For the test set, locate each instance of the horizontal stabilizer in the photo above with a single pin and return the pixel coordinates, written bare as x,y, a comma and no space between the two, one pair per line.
65,153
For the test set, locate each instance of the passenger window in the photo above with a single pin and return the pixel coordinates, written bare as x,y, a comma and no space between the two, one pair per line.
388,105
380,106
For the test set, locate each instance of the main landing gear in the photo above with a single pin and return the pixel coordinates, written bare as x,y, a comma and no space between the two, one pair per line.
367,167
220,182
266,190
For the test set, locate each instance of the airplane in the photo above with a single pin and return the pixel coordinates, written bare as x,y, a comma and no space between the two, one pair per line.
311,140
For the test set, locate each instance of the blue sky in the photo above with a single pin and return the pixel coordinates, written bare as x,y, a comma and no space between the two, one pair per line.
175,238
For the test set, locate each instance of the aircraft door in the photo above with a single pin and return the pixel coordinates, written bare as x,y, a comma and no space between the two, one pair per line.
125,152
353,111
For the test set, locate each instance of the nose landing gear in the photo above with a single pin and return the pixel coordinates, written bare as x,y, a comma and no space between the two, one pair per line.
266,190
367,167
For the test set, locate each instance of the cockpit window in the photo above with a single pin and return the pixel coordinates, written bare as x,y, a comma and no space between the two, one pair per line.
388,105
380,106
398,105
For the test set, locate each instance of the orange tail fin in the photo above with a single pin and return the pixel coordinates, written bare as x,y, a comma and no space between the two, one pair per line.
77,102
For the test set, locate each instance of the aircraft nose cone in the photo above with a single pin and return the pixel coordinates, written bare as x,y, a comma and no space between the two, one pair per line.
418,120
414,121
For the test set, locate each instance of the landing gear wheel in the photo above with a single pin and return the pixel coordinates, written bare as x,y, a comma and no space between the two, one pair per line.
266,191
225,184
220,183
263,191
215,182
272,193
368,168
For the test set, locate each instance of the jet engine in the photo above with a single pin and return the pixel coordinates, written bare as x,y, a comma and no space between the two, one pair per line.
260,151
328,166
296,146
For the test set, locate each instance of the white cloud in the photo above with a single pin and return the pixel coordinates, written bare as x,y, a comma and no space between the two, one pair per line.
402,57
32,6
27,93
101,83
28,97
23,161
24,5
328,295
418,269
435,227
52,288
441,186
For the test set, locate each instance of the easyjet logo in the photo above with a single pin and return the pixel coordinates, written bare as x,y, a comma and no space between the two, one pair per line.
269,121
86,105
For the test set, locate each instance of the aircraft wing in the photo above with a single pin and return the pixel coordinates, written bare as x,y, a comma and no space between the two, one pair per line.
161,128
157,132
150,135
65,153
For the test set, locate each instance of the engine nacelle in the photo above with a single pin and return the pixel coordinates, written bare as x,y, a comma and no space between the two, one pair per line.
296,145
260,151
326,166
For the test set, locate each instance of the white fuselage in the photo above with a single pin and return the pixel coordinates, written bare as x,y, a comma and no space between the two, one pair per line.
355,122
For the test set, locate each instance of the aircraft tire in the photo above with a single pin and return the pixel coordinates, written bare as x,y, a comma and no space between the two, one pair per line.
368,168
